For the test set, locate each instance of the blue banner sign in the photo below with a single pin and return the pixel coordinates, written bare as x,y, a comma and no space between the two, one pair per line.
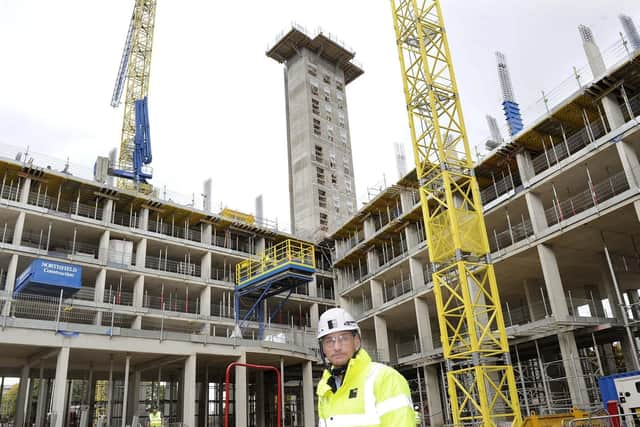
46,277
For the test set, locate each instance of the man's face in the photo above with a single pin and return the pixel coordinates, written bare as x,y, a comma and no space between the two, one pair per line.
339,347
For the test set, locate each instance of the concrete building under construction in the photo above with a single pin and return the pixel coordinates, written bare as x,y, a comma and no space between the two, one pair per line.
156,321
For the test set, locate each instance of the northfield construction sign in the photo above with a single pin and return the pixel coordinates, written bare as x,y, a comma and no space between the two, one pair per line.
45,277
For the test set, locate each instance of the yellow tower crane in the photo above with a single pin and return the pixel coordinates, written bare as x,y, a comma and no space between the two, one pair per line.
481,383
135,145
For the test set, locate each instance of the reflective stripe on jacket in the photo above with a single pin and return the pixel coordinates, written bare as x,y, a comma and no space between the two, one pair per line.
371,394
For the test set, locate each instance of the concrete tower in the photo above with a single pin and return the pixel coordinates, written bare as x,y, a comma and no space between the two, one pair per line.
630,31
401,160
321,184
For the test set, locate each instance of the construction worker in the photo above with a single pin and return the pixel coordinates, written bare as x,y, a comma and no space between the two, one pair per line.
354,390
155,417
416,409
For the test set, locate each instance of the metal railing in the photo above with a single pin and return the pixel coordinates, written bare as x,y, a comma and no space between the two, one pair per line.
40,200
224,275
126,220
361,305
325,293
513,234
184,268
563,149
118,296
592,196
9,192
87,211
382,218
499,187
408,348
6,233
396,289
179,232
172,303
291,252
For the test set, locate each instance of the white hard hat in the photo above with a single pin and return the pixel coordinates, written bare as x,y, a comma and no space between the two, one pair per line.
336,320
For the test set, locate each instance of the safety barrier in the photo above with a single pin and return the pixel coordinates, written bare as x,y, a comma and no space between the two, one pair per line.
289,252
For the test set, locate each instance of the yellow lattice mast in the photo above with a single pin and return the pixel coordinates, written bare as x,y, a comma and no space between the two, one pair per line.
480,378
134,72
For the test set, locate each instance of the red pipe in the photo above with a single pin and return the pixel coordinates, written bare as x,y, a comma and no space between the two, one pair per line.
249,365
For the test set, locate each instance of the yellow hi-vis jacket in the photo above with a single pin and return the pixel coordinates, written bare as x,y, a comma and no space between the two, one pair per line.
155,419
371,394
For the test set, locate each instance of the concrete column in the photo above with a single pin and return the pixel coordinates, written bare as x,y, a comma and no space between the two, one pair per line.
138,295
260,399
103,247
536,212
377,290
42,398
134,397
308,393
143,220
91,397
141,253
411,235
17,230
21,399
58,401
260,244
314,315
369,228
553,282
630,163
138,291
107,211
424,324
372,261
205,267
573,370
189,392
123,415
382,338
206,236
205,301
98,294
241,393
417,274
525,167
432,387
313,287
406,201
10,282
25,189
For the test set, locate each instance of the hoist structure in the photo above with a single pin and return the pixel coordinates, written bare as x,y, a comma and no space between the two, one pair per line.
480,378
134,157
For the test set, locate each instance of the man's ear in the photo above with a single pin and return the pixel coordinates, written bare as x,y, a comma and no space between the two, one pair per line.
357,341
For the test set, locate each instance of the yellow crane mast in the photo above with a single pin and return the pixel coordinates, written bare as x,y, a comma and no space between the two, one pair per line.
481,383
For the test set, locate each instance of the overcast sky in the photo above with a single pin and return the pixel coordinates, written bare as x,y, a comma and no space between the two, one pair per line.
216,101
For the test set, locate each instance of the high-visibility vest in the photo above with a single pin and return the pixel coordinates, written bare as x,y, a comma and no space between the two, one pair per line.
155,419
371,395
